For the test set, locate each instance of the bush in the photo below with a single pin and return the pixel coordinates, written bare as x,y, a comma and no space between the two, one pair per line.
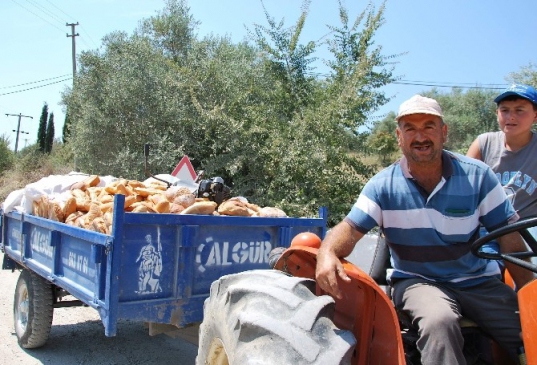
30,165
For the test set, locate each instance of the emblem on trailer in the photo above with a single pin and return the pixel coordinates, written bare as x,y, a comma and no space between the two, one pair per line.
149,266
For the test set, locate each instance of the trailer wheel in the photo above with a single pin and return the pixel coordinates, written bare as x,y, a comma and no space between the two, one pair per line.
267,317
32,310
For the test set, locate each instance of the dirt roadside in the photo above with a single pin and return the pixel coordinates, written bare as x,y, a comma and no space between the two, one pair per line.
77,337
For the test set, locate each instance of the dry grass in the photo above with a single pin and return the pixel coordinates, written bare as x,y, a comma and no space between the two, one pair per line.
28,169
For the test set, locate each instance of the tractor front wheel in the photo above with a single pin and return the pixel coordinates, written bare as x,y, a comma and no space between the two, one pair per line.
268,317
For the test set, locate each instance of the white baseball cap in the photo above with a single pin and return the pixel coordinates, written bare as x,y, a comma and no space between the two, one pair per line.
419,105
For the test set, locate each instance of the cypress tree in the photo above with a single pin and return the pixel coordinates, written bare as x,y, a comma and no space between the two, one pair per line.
66,131
49,140
42,130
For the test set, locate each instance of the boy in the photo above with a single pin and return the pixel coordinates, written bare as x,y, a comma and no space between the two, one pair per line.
511,151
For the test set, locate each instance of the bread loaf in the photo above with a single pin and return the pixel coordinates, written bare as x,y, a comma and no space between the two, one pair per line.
92,180
202,207
69,206
55,212
234,207
163,206
185,200
272,212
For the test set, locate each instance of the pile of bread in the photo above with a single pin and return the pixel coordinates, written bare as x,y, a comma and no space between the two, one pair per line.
91,206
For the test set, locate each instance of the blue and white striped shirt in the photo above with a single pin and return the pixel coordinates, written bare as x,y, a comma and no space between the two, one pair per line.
429,236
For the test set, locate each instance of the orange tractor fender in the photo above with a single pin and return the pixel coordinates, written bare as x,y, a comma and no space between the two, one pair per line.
365,309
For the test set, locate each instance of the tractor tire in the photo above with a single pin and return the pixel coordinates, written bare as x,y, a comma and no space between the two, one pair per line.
267,317
32,310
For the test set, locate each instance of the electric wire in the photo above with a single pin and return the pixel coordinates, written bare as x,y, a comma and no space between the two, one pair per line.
28,10
34,82
81,26
461,85
46,11
36,87
432,84
69,16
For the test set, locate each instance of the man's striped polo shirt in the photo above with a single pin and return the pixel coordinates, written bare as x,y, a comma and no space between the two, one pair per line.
429,236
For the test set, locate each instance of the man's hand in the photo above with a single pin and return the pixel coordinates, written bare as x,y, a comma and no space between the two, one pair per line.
338,243
329,269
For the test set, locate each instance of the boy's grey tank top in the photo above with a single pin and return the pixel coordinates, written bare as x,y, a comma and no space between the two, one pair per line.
517,171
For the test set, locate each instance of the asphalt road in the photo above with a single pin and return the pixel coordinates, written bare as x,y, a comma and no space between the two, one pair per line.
77,337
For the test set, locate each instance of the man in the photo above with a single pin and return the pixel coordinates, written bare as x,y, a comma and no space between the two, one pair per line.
429,205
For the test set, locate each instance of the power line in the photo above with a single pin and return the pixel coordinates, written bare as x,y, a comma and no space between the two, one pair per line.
71,17
59,9
45,10
33,82
87,35
450,83
36,87
432,84
18,126
462,85
28,10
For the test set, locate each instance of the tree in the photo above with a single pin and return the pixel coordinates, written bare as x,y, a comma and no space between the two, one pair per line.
383,139
172,30
6,155
42,129
287,61
66,130
49,138
251,113
467,114
527,75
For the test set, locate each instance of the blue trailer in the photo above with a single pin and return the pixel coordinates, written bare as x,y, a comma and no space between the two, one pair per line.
155,268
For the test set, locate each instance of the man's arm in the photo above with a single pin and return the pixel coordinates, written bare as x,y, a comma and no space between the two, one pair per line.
339,243
513,242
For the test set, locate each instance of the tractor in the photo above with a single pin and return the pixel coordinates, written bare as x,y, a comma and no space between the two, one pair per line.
281,316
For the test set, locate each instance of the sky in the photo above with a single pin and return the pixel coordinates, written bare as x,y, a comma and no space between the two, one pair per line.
444,43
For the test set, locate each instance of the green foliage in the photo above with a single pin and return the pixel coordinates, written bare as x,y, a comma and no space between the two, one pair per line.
66,130
42,129
527,75
172,30
249,112
287,62
467,114
6,155
385,146
49,137
382,141
30,165
359,67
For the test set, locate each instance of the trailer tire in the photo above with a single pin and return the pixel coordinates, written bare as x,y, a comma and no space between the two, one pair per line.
267,317
32,310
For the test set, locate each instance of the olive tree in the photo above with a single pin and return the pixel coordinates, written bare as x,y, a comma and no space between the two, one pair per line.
250,112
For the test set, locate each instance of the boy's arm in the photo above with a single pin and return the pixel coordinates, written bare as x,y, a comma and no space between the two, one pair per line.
474,150
513,242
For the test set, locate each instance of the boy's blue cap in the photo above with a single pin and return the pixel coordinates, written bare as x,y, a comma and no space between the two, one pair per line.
524,91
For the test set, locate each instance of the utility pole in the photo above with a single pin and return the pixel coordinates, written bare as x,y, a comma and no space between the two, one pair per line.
18,126
73,35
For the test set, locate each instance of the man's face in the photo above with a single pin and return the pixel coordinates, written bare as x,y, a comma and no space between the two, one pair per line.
516,116
421,137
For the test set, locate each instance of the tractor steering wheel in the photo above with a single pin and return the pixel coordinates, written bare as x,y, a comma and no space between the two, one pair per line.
514,257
